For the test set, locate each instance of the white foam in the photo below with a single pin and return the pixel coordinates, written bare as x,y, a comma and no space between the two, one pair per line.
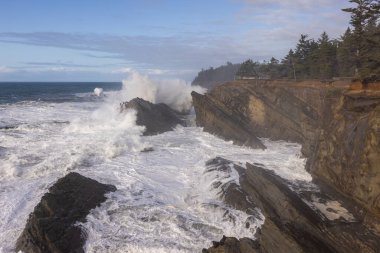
98,92
163,203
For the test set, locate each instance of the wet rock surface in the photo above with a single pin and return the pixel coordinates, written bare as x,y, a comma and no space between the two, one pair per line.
299,216
157,118
51,226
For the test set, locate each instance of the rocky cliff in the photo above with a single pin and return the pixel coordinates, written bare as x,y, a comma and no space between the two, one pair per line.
347,156
338,125
279,110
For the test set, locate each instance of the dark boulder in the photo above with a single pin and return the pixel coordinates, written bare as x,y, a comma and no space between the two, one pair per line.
157,118
233,245
51,226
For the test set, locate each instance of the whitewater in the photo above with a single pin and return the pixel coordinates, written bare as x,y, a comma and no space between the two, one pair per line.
164,201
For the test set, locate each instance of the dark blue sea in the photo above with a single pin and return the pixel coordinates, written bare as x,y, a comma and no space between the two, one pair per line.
13,92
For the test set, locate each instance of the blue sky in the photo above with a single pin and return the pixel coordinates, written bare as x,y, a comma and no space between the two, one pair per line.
99,40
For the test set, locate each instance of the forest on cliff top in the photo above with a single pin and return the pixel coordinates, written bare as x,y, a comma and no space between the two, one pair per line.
356,54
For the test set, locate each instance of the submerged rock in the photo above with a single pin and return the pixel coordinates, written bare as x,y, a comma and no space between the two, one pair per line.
51,226
157,118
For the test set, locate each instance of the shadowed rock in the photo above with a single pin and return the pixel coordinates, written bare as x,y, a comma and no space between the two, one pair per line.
51,226
157,118
218,119
233,245
299,217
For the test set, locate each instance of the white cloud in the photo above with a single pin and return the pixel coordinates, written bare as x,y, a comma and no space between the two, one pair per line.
261,29
5,69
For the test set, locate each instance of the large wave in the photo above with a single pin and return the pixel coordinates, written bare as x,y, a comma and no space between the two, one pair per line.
175,93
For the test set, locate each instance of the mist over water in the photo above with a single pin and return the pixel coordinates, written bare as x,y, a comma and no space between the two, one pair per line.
164,202
175,93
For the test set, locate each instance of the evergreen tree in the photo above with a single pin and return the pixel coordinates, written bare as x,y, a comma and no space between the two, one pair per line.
326,60
247,69
360,17
346,58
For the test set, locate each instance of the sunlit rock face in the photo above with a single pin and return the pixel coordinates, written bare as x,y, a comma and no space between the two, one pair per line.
348,153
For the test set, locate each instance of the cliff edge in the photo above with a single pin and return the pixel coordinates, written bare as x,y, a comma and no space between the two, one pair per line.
338,125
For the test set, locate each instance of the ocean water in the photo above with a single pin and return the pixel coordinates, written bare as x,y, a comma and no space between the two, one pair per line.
164,202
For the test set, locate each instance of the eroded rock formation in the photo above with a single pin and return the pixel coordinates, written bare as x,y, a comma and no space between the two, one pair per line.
51,226
244,110
348,153
338,125
157,118
299,217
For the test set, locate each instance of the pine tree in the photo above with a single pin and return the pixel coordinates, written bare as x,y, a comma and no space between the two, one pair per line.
346,58
247,69
360,17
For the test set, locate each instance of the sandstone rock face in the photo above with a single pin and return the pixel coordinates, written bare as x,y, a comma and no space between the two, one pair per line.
339,128
348,154
244,110
50,227
157,118
216,118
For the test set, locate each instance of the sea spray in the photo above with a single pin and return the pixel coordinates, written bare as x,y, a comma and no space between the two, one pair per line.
98,92
164,202
175,93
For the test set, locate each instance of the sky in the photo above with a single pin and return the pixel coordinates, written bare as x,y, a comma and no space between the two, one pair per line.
104,40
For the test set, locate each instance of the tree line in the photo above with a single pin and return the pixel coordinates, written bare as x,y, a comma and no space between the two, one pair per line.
356,54
208,78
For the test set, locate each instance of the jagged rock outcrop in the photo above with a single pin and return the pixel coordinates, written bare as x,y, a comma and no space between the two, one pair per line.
348,153
244,110
299,217
337,124
307,219
157,118
51,226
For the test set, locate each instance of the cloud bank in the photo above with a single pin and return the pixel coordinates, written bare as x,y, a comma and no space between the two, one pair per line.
258,29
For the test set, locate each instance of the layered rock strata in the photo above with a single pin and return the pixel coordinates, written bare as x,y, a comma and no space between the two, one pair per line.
338,126
336,123
242,110
51,227
348,153
299,216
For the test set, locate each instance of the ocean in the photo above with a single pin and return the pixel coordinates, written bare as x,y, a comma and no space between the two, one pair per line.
164,203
